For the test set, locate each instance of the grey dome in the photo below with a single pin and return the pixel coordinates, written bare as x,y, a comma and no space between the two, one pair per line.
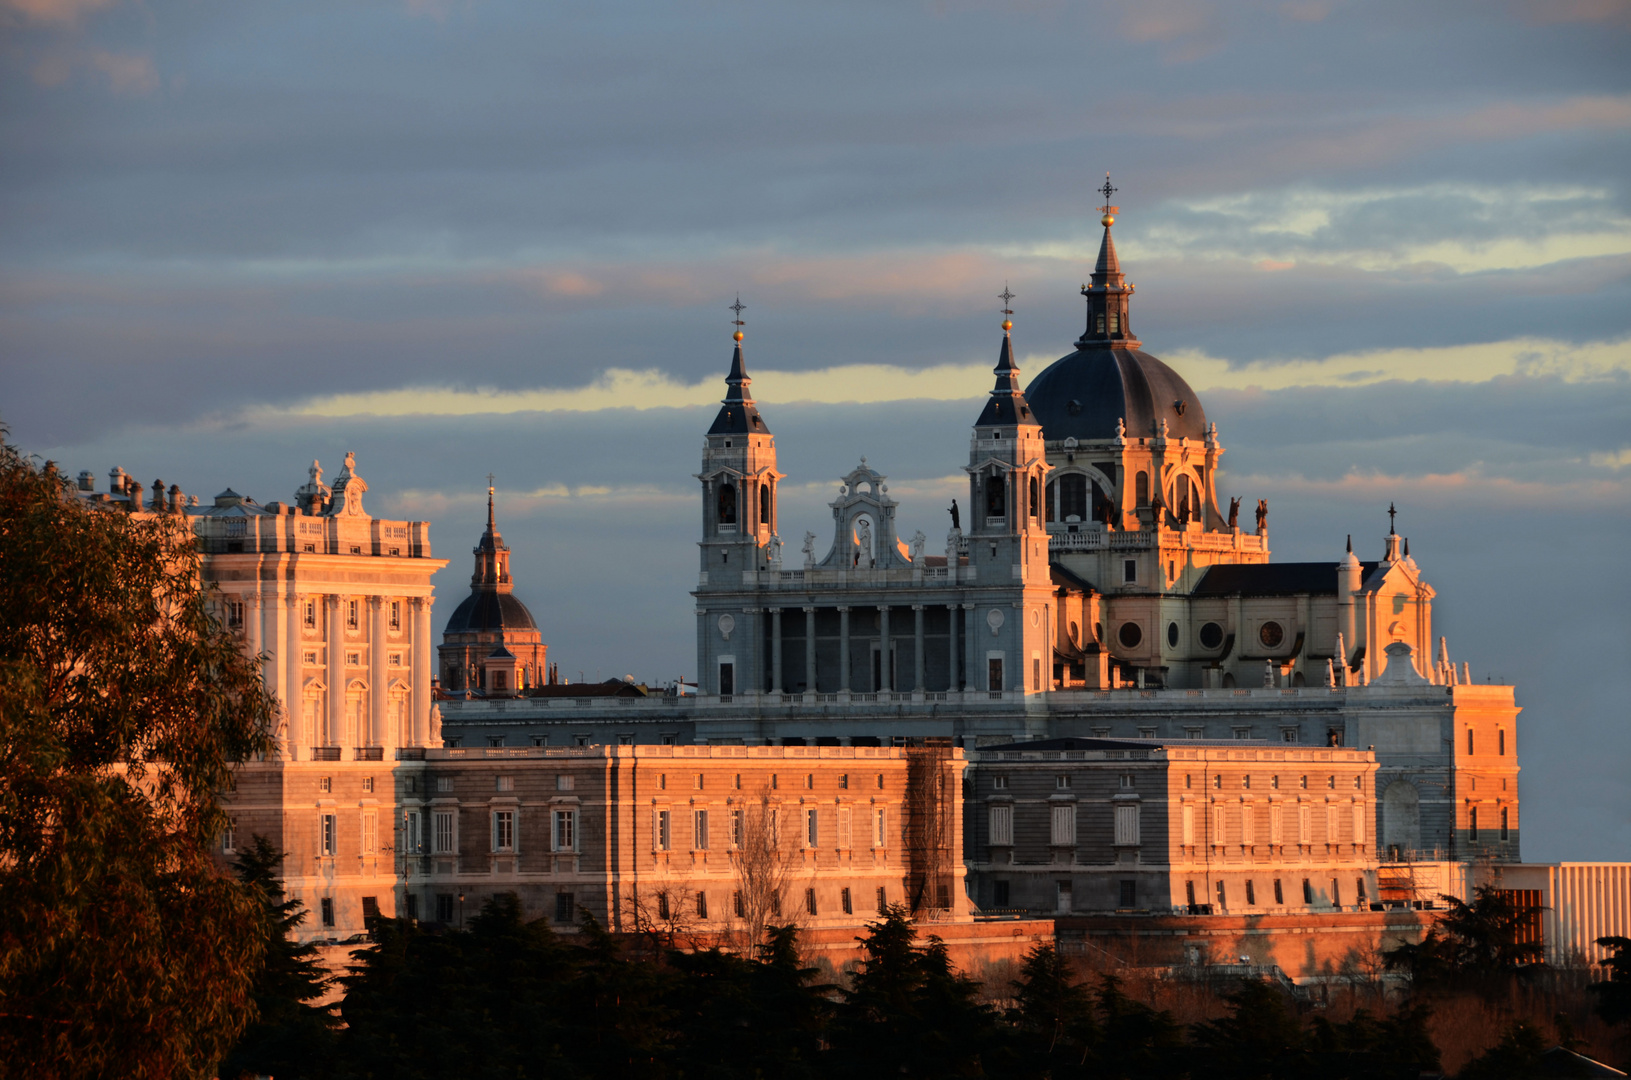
485,611
1082,395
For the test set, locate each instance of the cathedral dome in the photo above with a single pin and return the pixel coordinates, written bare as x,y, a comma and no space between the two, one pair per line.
486,611
1082,395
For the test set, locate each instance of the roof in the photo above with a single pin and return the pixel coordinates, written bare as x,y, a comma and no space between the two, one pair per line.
486,610
1272,579
1076,743
1066,579
1007,404
609,688
1081,396
738,415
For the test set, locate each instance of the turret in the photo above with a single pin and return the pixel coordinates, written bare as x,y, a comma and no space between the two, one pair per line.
738,477
1007,469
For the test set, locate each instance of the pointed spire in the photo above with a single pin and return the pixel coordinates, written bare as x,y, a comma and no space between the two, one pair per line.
1350,543
1007,403
1109,295
739,415
491,525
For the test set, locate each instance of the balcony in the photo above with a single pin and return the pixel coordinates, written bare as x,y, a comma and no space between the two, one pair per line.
325,753
368,753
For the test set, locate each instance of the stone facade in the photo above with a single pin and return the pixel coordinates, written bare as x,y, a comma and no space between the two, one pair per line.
1101,826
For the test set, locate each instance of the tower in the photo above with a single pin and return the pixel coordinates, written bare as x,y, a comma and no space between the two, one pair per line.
491,644
739,537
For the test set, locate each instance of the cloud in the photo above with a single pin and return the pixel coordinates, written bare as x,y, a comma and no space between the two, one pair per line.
55,12
125,73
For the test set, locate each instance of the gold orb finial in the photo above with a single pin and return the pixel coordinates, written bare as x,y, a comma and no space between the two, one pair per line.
1108,220
737,335
1007,324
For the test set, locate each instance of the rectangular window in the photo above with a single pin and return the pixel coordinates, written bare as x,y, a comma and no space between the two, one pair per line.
727,679
1359,889
566,830
1127,825
699,830
1359,823
1500,742
311,616
1305,823
1277,832
660,839
999,894
1036,674
442,832
370,909
1129,571
843,781
444,908
370,832
1064,825
412,840
504,830
444,784
737,905
811,828
1279,893
1223,901
993,674
702,905
351,615
999,783
413,907
736,829
662,905
810,901
1061,782
396,615
880,836
368,784
1188,824
329,839
504,783
563,782
845,822
325,783
1308,892
229,838
326,906
1251,893
565,903
1002,824
1189,895
1333,834
1504,835
1336,893
1472,823
1248,825
1129,894
1469,742
883,902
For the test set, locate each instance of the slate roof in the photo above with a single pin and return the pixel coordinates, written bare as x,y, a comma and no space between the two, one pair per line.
486,611
1082,395
1273,579
1083,743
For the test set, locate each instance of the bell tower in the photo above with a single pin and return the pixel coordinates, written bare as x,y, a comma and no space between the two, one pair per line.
1007,468
739,478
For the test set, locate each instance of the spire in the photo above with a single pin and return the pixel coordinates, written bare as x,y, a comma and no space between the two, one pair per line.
739,415
1007,404
1109,294
491,527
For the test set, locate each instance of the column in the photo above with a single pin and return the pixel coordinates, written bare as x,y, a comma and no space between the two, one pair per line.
951,646
885,679
419,684
378,676
843,649
776,650
336,674
294,697
252,626
971,641
917,648
809,651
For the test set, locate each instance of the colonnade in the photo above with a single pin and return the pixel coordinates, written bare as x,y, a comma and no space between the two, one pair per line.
960,659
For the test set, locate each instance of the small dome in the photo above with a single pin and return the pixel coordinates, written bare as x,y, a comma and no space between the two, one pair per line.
1082,395
485,611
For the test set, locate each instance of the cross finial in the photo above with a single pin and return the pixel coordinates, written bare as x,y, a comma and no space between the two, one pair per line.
737,322
489,479
1005,296
1390,512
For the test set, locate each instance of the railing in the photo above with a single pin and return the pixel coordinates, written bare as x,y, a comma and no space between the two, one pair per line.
325,753
410,753
368,753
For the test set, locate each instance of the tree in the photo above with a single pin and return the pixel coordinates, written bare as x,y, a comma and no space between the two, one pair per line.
1516,1057
762,867
1055,1012
1614,993
124,704
1477,945
290,1037
1261,1036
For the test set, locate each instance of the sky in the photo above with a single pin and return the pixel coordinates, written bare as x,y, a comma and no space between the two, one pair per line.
1389,245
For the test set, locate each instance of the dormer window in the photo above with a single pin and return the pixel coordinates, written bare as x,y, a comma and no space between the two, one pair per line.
1101,323
1115,322
727,444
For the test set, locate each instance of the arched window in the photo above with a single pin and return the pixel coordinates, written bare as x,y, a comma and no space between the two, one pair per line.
1180,496
764,504
1035,500
1051,500
996,497
727,503
1141,488
1102,507
1073,496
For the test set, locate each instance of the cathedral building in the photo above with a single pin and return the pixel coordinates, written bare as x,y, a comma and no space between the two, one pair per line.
491,646
1094,584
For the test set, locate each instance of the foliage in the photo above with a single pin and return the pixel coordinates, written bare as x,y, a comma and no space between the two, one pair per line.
1516,1057
762,867
1614,993
1056,1011
908,1013
124,948
1474,946
289,1037
1261,1036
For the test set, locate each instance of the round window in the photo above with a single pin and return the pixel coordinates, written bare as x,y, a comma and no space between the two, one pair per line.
1130,635
1172,635
1271,634
1211,636
1075,634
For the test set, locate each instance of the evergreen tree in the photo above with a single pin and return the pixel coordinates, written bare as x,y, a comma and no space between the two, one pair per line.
1054,1014
1516,1057
1476,946
1260,1038
1136,1041
1614,993
124,705
290,1037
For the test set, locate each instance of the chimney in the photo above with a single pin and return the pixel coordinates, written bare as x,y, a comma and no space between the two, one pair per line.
176,500
87,480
